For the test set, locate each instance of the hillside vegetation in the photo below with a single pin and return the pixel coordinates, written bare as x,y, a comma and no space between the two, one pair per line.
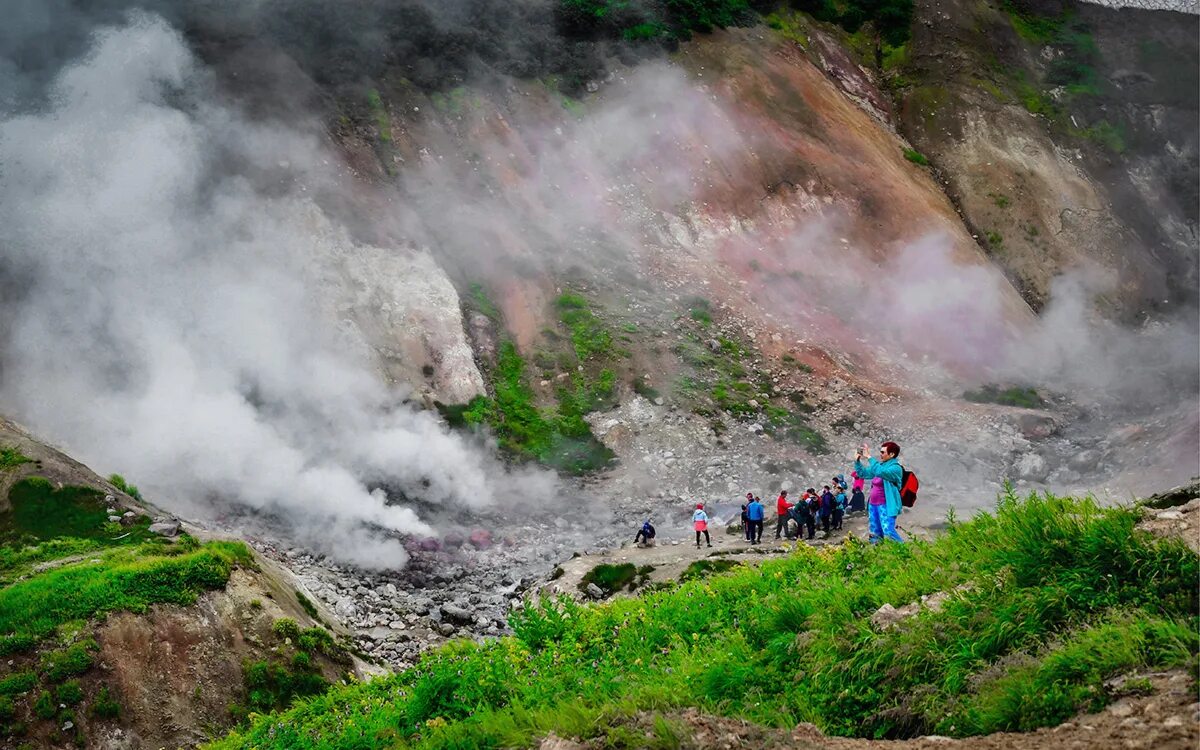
1043,601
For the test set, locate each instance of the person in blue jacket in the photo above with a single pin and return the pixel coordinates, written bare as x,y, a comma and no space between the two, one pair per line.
883,502
756,512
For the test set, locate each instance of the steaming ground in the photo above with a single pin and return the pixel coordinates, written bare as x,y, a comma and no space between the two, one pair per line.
161,324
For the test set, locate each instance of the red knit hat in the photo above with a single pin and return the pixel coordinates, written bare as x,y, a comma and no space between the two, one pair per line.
699,506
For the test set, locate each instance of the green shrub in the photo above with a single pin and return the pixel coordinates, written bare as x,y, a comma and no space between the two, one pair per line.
69,693
44,707
17,682
610,578
482,302
8,712
11,458
105,706
562,440
286,627
270,687
916,157
68,662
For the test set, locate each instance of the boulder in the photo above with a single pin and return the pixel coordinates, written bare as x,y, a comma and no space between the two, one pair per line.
455,613
165,528
595,591
1032,467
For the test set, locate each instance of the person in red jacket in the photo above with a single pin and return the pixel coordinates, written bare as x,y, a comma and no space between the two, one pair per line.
782,506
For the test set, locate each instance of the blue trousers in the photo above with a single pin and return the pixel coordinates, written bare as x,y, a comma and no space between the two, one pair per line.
882,525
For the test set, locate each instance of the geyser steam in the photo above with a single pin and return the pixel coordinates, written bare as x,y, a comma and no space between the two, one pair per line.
159,319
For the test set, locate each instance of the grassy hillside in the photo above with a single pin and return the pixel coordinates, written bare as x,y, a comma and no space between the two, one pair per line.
1048,598
64,566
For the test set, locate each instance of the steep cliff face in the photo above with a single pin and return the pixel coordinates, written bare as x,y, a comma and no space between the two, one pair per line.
1067,135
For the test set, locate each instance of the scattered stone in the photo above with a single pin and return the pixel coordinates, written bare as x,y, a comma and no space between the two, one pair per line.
456,613
165,528
1032,467
595,591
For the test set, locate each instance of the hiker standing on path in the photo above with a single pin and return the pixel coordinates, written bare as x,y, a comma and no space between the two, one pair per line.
839,508
782,506
803,517
883,504
827,503
747,529
700,524
756,512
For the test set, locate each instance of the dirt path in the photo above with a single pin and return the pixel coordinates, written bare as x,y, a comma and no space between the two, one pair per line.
671,557
1167,719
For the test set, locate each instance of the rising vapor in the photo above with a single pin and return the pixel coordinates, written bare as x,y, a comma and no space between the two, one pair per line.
160,317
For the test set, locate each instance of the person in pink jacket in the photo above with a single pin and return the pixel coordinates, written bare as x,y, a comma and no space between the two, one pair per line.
700,524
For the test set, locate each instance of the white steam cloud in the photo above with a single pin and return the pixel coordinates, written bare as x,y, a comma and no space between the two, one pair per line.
161,321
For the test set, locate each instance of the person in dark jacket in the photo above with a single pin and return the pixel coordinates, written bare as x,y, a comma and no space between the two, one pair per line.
858,501
645,535
755,512
826,509
839,508
803,516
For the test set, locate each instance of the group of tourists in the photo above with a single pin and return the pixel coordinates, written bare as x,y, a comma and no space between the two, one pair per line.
835,500
881,500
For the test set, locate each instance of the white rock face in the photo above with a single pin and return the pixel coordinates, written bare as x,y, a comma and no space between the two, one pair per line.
1182,6
399,308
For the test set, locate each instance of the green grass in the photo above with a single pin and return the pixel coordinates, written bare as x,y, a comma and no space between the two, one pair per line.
118,481
1022,396
610,578
589,336
559,438
704,568
11,458
916,157
379,113
994,238
125,579
45,524
41,513
1051,597
306,604
700,310
482,302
